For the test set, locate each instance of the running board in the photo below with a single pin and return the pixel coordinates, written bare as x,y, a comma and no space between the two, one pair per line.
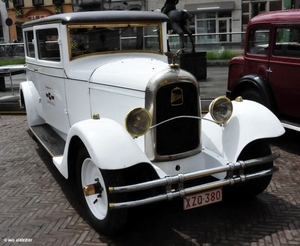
50,140
290,125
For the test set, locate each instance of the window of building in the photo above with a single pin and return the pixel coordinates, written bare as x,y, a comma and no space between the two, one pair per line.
251,9
58,2
292,4
275,5
37,2
258,8
213,22
48,47
18,3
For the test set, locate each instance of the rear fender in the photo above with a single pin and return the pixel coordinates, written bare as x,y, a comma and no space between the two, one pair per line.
249,121
260,84
108,144
27,100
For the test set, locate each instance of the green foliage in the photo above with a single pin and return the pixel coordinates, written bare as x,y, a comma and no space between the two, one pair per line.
224,55
14,61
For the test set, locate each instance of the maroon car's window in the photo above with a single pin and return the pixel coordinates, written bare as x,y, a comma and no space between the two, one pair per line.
287,42
258,41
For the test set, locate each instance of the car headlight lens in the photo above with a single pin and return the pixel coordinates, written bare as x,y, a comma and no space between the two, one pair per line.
138,122
221,109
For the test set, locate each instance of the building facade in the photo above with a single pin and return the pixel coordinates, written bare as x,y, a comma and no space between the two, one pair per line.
4,33
19,11
86,5
210,16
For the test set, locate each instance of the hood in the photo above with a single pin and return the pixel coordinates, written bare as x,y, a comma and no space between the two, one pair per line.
133,72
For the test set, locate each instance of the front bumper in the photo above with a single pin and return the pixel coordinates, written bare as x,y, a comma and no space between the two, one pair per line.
235,174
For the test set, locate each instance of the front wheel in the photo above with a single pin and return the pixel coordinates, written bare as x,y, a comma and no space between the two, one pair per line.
252,188
96,206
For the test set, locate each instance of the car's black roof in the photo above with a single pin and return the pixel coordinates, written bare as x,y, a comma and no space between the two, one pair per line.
100,16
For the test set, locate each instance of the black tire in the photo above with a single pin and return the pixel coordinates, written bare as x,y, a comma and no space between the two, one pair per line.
252,188
97,213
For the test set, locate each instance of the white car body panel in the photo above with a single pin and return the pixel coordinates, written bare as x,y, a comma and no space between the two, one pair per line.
113,73
107,142
31,98
249,121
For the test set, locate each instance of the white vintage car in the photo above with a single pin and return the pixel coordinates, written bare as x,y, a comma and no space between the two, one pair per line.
115,116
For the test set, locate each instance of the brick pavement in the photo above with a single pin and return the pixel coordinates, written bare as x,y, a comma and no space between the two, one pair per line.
37,204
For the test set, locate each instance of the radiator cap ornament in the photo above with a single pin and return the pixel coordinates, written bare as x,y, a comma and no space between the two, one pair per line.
173,58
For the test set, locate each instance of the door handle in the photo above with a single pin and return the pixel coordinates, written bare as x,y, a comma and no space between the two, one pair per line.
269,70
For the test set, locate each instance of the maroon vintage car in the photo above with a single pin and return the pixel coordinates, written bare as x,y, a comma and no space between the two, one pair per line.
269,70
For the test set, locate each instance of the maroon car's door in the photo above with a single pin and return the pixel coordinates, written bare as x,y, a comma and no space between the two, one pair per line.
257,51
284,69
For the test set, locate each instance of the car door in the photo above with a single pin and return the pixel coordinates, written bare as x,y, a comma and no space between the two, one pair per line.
50,76
257,51
284,75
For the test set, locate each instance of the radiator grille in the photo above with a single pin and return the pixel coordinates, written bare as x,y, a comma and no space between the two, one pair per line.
179,135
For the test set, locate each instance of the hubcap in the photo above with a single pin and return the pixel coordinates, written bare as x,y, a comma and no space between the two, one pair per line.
98,203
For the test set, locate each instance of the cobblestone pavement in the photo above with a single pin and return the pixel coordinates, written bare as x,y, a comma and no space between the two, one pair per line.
38,207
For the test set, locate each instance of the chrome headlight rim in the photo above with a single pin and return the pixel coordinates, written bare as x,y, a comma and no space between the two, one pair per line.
142,116
217,117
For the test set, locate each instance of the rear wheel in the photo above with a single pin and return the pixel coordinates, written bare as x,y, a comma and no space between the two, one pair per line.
252,188
253,95
96,206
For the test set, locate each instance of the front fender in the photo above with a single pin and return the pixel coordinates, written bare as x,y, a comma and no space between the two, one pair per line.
249,121
108,144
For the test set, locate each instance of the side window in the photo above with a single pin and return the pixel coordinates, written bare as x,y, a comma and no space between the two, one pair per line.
47,42
258,42
287,42
29,44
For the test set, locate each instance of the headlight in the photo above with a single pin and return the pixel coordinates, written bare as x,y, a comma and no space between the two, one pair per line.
138,122
220,109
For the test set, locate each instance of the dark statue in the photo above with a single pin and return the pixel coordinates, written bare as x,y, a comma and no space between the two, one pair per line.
168,6
177,22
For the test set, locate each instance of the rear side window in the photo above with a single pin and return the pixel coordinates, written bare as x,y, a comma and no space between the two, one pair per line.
287,42
47,42
29,44
258,42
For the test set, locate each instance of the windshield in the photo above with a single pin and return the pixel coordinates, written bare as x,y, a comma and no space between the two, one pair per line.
108,38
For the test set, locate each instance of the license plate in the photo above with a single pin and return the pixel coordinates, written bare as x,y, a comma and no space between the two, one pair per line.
202,199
